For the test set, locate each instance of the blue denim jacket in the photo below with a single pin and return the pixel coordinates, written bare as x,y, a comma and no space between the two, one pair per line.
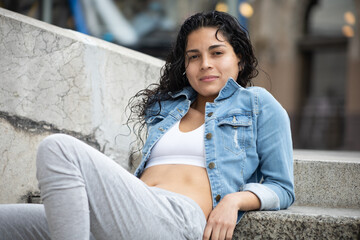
248,144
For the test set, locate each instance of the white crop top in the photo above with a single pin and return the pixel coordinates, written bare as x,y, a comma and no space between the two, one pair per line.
176,147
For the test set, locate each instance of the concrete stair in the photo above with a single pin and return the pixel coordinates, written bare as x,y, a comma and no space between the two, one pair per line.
327,206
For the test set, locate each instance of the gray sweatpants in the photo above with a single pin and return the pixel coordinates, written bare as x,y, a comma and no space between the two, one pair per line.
87,194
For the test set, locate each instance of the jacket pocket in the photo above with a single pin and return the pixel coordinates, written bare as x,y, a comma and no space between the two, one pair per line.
236,132
152,121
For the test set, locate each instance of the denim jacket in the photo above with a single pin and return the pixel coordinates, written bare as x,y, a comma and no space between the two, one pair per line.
248,144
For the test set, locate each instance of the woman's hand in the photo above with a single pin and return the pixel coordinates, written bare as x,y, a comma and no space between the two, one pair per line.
222,219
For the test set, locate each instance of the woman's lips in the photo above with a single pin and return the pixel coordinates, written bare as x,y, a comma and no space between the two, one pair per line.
208,78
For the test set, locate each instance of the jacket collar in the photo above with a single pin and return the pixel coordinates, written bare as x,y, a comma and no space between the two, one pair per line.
188,92
227,91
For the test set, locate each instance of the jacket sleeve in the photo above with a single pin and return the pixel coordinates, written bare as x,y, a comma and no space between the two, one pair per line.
275,152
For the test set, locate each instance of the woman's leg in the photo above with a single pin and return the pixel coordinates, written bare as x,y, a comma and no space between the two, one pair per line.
78,183
23,222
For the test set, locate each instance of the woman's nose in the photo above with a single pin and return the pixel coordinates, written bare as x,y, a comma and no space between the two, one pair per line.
205,63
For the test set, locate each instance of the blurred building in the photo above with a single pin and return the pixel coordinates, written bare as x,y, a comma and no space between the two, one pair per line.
311,51
148,26
308,51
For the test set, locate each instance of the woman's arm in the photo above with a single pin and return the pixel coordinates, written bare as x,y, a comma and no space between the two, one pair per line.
276,191
275,152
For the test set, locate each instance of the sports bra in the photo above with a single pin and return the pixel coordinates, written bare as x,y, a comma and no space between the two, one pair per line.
176,147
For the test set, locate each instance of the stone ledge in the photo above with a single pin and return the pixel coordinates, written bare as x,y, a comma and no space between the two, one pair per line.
300,222
327,178
24,21
327,156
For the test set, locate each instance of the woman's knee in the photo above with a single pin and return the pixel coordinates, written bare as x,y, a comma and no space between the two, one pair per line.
54,142
51,149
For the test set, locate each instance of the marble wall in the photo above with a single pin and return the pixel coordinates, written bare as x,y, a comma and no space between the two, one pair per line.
56,80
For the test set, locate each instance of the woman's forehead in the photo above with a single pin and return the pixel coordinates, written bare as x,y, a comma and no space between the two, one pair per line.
205,36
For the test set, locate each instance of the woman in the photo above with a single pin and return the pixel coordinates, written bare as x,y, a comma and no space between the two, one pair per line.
210,141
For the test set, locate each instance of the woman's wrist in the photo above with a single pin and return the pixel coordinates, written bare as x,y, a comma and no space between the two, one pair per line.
244,201
233,199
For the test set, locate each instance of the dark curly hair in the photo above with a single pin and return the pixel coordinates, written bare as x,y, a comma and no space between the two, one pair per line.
172,78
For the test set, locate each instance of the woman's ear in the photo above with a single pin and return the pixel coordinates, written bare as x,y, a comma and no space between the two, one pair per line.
241,66
240,63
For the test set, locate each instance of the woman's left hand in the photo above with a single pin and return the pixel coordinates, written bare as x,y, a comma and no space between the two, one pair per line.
222,219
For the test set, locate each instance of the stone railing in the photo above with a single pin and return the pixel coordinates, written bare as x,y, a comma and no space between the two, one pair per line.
57,80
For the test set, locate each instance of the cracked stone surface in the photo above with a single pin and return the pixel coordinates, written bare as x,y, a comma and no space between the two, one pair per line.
17,164
72,83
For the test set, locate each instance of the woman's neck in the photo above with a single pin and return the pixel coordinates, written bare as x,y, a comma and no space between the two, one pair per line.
200,102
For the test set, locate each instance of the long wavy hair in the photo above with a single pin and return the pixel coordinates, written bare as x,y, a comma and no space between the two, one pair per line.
172,78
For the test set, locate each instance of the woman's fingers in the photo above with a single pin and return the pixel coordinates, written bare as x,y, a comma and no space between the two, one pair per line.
207,232
218,230
222,220
229,233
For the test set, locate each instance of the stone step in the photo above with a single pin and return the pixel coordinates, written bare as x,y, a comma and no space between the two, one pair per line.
327,178
300,222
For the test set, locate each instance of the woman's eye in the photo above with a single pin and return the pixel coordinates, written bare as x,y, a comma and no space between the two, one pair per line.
217,53
193,57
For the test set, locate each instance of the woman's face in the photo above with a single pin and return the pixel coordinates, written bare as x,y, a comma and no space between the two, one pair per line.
209,62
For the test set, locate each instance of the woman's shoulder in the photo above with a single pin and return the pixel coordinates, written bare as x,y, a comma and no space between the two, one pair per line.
256,90
264,99
261,93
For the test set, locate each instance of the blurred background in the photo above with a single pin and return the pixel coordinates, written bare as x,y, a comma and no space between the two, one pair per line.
308,51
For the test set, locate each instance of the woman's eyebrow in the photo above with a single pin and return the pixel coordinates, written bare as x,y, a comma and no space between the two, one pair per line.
210,48
192,50
216,46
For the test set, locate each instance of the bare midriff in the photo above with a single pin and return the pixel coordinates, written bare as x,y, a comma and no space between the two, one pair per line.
188,180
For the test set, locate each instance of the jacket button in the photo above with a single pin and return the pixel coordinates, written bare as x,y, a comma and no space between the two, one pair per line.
211,165
210,114
208,136
217,198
